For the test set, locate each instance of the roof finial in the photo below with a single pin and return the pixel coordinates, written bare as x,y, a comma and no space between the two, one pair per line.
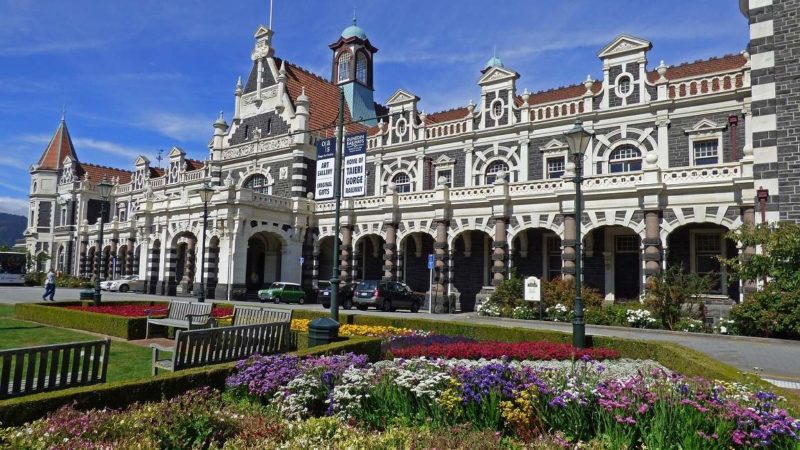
354,16
270,14
494,53
63,111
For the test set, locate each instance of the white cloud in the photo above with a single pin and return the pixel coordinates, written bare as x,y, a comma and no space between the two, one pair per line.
14,205
180,127
106,147
13,162
48,47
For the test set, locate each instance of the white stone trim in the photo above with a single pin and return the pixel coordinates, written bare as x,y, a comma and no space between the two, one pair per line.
755,4
764,123
761,29
762,60
764,91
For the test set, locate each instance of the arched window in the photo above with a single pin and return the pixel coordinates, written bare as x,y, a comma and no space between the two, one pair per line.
625,159
258,183
361,68
345,60
493,169
402,182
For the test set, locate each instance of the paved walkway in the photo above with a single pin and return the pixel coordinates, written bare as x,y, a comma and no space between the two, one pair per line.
770,358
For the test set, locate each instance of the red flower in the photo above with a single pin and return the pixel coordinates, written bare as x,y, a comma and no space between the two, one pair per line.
512,350
139,310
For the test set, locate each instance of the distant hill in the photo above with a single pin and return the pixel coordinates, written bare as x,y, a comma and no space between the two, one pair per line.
11,228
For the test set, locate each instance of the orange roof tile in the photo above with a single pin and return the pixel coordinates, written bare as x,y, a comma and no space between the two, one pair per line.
562,93
445,116
97,173
193,164
701,67
58,149
324,96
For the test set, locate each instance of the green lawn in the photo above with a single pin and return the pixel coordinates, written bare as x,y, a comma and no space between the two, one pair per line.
126,361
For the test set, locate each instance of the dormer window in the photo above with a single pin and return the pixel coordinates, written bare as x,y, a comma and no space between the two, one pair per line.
361,68
345,61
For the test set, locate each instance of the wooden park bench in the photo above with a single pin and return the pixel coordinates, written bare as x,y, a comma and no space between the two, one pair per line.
29,370
251,315
183,315
196,348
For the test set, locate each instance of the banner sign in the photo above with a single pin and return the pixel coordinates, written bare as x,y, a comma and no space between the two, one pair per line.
354,170
325,161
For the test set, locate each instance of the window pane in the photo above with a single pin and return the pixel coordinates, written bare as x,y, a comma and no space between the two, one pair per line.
706,152
361,68
555,167
344,67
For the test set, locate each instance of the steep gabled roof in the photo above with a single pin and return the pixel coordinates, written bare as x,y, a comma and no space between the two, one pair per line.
58,149
96,173
324,97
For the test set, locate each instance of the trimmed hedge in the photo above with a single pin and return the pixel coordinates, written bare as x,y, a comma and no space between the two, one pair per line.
17,411
128,328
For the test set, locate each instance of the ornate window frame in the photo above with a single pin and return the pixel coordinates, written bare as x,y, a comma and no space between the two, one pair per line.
705,130
345,58
553,149
631,84
494,103
493,174
444,165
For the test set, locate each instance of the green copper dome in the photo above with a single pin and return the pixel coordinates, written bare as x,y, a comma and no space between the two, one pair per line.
494,61
354,31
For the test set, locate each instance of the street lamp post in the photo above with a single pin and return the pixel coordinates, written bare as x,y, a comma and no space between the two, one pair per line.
578,140
337,200
104,189
206,192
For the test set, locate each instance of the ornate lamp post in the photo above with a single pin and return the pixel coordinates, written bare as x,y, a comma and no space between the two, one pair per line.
206,192
578,140
104,189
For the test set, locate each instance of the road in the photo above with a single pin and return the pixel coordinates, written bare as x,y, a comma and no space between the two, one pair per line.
774,358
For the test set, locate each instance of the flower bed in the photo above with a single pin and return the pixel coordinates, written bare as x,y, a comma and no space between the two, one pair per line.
345,402
140,310
490,350
346,329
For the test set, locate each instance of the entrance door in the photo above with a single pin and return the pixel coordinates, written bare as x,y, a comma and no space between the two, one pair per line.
626,267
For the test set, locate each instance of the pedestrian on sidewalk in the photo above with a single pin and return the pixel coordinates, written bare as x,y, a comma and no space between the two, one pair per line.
50,285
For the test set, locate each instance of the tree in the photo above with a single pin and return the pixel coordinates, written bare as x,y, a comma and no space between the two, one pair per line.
672,291
779,260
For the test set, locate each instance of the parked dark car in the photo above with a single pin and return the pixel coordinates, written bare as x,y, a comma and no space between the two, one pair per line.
345,298
386,296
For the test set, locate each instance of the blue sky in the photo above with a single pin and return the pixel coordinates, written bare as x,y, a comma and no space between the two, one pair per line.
138,76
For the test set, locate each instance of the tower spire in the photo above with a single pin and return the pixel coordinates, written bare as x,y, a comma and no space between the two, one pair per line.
354,16
270,14
63,111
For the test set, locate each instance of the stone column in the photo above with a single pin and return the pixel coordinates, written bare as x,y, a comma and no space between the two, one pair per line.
188,265
652,243
113,266
499,255
96,260
568,253
749,220
390,251
83,250
440,273
129,270
346,251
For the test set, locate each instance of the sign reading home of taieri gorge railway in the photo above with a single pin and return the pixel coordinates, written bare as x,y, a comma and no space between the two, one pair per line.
355,175
325,164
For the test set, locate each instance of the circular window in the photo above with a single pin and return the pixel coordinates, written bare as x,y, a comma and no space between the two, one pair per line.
401,127
496,109
624,85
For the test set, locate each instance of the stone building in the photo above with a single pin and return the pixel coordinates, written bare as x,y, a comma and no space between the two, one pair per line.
678,155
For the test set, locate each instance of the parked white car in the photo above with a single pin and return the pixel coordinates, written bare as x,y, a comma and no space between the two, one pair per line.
125,284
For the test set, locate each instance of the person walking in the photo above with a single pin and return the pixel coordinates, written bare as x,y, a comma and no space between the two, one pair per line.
50,285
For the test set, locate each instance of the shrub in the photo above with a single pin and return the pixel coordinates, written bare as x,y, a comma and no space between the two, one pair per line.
510,292
561,291
525,311
65,280
768,313
34,279
780,259
690,325
611,315
672,291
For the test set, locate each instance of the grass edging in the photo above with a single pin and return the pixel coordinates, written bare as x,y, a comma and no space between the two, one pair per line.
128,328
17,411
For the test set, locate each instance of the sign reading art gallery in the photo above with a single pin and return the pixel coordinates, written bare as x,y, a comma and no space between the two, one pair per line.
325,163
354,176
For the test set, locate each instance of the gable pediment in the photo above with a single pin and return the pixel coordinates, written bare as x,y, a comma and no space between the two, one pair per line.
400,97
141,161
553,145
705,125
176,152
68,161
624,44
495,74
444,160
261,31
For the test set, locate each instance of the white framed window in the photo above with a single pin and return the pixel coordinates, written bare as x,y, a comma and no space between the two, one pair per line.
705,151
626,158
402,182
345,61
259,184
496,109
624,85
63,215
447,174
123,212
555,167
361,68
493,169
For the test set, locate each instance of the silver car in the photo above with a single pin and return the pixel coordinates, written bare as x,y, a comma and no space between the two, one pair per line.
126,283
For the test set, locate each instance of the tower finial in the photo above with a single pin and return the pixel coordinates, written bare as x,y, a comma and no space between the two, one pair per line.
354,16
63,111
270,14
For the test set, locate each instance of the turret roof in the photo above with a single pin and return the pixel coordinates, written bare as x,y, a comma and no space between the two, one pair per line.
58,149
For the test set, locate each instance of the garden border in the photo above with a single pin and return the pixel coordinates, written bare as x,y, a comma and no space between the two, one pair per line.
17,411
